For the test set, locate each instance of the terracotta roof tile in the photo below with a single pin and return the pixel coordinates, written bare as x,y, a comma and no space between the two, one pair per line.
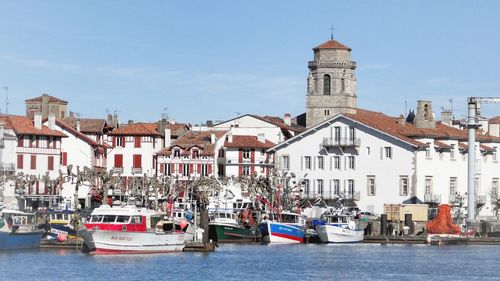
486,148
495,120
135,129
87,125
202,140
24,126
332,44
248,142
80,135
51,99
441,144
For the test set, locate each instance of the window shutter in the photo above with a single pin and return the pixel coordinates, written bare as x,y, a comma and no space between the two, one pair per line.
20,162
180,169
198,169
240,170
240,156
114,141
191,168
20,141
50,164
162,168
209,170
252,155
172,169
301,162
381,153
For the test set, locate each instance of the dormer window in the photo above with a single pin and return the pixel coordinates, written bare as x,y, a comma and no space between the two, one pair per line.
177,153
196,154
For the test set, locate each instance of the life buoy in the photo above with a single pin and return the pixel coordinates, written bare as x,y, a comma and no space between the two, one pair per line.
124,228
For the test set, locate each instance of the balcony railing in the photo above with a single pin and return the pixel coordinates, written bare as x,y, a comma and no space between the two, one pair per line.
351,64
117,170
345,142
432,198
136,170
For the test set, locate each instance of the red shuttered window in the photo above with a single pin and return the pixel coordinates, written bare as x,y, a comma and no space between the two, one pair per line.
20,161
137,161
50,163
118,161
33,162
137,142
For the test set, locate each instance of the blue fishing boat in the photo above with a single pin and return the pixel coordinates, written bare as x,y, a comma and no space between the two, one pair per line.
61,222
286,228
18,230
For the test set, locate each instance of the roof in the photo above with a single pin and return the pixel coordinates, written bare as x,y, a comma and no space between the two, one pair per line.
201,140
278,121
405,131
439,144
248,142
135,129
332,44
22,125
495,120
87,125
51,99
79,135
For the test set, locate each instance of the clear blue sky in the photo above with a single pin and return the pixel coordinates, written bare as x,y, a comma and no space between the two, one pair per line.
209,60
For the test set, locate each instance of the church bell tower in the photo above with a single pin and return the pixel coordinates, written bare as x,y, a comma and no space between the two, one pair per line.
331,83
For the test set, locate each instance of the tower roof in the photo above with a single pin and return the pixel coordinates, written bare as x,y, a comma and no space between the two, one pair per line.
50,99
332,44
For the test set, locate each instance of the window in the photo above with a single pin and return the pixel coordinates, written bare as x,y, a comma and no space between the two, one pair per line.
352,134
350,187
404,185
453,185
262,152
118,161
320,187
388,152
428,150
33,162
20,141
306,187
64,159
246,170
177,153
137,158
495,153
494,188
185,170
351,162
120,141
20,161
342,84
452,152
326,84
50,164
221,152
336,162
307,162
428,185
137,142
246,153
370,183
336,134
33,141
321,163
286,162
368,150
327,112
48,141
336,187
204,170
196,154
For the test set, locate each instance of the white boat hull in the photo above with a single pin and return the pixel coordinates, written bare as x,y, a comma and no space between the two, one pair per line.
118,242
334,234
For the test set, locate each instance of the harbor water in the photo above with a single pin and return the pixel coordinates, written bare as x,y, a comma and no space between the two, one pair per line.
262,262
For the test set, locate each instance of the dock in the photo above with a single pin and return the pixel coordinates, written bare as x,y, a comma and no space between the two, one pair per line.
54,244
200,247
435,240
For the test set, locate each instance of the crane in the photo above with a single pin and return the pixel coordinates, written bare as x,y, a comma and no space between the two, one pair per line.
472,124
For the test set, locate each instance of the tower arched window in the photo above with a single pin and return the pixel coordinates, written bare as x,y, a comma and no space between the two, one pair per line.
326,84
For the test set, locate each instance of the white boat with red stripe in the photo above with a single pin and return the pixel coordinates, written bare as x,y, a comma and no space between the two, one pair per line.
130,230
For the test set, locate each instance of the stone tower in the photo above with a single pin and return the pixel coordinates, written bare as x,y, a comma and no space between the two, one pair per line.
46,104
424,119
331,83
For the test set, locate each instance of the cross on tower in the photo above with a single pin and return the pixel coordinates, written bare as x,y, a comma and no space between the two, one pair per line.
331,33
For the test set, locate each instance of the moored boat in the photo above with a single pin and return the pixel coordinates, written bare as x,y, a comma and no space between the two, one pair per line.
18,230
130,230
228,225
338,228
61,223
288,228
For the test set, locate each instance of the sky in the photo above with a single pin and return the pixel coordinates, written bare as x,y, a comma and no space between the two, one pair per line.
204,60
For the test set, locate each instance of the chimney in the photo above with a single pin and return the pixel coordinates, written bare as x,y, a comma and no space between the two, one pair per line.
168,137
130,122
447,117
52,121
230,137
261,138
78,125
424,119
494,130
210,123
401,120
37,121
72,114
287,119
212,138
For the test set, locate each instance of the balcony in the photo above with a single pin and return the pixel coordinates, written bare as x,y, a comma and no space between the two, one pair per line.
342,142
315,64
432,198
136,170
117,170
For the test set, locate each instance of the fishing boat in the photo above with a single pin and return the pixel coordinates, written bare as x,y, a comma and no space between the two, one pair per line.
338,228
230,225
61,223
286,227
18,230
128,229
